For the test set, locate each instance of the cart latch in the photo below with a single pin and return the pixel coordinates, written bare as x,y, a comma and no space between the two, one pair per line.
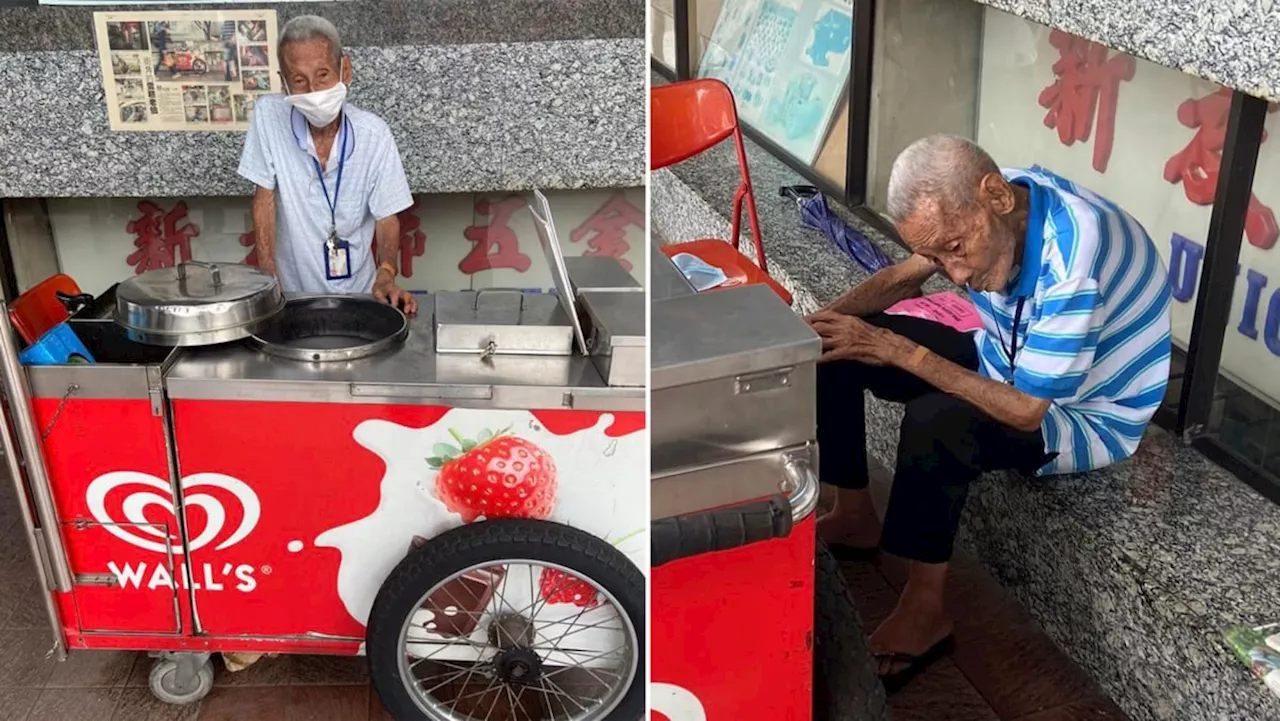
105,580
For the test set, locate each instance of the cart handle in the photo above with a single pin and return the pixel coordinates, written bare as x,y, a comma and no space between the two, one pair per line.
725,528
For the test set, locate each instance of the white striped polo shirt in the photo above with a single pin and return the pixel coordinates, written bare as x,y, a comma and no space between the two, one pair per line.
279,154
1094,335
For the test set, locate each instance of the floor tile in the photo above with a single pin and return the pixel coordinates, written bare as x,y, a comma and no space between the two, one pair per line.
941,693
141,670
378,712
24,661
16,703
1020,671
268,671
100,669
978,603
1095,710
75,704
30,611
138,704
328,703
874,598
243,703
332,670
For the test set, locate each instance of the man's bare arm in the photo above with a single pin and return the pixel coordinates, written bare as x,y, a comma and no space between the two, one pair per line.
897,282
999,400
264,227
387,234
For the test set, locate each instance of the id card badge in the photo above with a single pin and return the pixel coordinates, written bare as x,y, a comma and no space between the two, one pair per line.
337,254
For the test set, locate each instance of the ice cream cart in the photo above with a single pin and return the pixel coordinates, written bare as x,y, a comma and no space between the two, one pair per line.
734,495
458,495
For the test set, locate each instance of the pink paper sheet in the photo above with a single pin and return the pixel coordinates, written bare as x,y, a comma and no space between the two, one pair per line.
946,308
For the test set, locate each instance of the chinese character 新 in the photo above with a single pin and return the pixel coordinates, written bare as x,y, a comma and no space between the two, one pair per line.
162,239
1087,84
606,229
1196,166
496,244
413,241
250,241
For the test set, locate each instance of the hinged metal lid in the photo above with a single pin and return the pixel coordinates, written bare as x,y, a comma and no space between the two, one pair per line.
197,303
727,333
541,211
501,322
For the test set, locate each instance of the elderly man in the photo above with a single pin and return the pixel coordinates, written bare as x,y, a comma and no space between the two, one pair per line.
1069,366
329,176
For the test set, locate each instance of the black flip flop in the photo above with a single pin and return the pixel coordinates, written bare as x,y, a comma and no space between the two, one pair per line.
915,664
854,554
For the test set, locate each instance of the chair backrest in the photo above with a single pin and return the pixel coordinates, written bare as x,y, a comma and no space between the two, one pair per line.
688,117
38,310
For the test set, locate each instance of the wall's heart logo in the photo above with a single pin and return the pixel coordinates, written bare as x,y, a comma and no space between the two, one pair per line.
675,702
119,500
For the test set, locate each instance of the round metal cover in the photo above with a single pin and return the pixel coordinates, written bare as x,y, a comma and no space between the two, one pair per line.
197,303
322,328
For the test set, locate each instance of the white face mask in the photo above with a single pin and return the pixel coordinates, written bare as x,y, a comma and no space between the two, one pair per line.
321,107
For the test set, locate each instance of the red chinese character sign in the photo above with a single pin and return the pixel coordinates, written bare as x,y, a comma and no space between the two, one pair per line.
250,241
1197,165
606,230
413,240
162,239
496,245
1085,93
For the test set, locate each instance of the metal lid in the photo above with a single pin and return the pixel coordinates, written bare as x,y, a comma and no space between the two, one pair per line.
541,211
197,303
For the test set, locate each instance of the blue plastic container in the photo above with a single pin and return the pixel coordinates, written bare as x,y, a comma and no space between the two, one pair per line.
60,346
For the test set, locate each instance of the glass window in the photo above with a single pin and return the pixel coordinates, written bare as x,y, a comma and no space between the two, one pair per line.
1146,137
1245,418
788,65
662,33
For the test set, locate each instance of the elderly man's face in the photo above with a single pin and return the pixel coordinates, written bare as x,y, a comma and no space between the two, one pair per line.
974,246
309,66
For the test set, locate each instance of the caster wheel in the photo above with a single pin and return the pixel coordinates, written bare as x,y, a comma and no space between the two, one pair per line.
168,684
508,619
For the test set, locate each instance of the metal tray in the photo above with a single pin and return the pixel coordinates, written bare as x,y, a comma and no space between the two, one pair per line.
501,322
326,328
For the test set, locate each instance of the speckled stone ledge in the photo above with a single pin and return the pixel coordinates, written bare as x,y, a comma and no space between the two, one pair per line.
1232,42
376,23
467,118
1135,571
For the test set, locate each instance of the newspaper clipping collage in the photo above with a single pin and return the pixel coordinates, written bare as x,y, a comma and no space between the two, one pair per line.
186,70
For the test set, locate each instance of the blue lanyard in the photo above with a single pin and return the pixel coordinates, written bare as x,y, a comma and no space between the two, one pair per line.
337,188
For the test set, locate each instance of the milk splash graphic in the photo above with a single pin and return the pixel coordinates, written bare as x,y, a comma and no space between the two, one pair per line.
602,490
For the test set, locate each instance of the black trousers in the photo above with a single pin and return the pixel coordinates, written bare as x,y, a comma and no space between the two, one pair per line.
944,443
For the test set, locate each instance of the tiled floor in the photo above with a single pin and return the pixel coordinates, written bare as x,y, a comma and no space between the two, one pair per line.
1003,667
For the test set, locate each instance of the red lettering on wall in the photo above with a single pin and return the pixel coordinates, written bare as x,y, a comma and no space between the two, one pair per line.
606,230
496,244
162,239
1196,166
249,240
1087,84
413,241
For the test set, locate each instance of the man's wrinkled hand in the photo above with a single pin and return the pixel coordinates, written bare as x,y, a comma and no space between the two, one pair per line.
386,291
847,337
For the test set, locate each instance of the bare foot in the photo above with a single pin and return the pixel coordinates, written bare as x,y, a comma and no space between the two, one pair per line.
852,522
911,629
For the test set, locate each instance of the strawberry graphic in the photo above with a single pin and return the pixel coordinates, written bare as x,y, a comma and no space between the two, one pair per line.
556,586
494,476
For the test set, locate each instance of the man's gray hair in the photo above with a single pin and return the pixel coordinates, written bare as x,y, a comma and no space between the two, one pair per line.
306,28
942,167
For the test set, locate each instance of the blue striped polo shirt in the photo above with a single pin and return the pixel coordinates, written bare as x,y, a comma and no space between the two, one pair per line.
1094,335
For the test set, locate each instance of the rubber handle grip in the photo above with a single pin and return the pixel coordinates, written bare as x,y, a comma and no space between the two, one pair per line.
720,530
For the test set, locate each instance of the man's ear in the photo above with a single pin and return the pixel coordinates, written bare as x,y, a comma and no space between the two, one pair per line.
346,70
995,193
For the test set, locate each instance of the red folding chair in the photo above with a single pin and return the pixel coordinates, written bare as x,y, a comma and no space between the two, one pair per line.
38,310
688,118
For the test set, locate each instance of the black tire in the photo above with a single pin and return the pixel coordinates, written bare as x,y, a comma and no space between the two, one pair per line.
845,684
488,542
199,66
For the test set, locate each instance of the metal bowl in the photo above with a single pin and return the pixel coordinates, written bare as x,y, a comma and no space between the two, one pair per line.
326,328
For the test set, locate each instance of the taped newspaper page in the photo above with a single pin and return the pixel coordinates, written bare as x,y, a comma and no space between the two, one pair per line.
186,70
